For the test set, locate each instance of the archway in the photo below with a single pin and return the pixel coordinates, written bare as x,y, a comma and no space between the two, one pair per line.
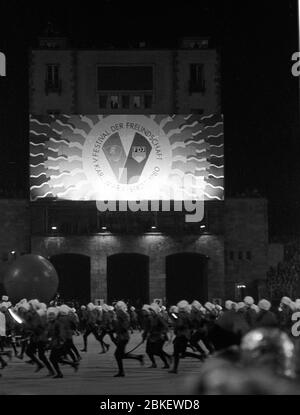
74,272
186,277
128,278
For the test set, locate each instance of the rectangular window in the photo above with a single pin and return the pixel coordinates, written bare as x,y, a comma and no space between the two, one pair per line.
125,101
197,83
114,102
231,256
137,102
102,101
240,255
148,100
52,75
249,256
196,72
53,81
125,78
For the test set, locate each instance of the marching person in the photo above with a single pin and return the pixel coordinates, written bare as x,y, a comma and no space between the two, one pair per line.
249,313
101,327
121,325
182,329
35,327
199,329
155,332
57,334
265,317
67,327
286,310
3,337
106,326
89,318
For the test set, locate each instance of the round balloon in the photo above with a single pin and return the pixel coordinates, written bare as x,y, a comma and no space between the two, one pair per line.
31,276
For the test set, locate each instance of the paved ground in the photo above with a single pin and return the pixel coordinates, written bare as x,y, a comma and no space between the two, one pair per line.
95,376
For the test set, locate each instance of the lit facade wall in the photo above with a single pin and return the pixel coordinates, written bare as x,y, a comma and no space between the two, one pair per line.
246,244
156,246
172,92
88,61
62,99
187,97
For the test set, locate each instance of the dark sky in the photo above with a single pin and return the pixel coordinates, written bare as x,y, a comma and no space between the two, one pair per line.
256,40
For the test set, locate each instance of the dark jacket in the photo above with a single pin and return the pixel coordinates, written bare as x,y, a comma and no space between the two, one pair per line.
266,319
121,325
183,325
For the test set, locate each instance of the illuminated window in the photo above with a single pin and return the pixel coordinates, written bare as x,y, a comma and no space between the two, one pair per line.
102,101
114,102
137,101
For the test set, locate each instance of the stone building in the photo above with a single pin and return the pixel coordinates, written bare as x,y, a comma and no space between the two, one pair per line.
144,255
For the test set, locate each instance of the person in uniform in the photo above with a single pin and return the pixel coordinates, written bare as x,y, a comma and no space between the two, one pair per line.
182,329
89,321
155,332
106,326
102,325
67,328
58,331
250,314
265,317
199,329
3,352
35,329
285,312
121,325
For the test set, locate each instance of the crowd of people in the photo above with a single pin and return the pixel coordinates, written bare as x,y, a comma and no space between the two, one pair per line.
284,277
44,333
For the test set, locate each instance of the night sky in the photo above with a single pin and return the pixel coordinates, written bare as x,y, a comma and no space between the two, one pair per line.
256,40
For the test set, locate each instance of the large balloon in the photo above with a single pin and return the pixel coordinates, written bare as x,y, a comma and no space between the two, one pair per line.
31,276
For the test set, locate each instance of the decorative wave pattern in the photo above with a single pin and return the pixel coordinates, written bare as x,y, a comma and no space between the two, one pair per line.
56,146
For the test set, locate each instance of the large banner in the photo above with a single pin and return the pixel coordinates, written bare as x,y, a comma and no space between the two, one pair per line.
127,157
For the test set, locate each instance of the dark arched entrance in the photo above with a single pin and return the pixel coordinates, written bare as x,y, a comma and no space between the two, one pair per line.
74,272
128,278
186,277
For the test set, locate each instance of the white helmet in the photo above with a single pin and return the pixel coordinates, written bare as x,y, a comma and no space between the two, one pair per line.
121,306
264,305
183,305
248,300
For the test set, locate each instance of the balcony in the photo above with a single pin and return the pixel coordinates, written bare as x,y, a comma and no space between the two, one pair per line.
53,87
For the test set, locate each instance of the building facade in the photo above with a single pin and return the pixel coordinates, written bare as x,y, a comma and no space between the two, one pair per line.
143,255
